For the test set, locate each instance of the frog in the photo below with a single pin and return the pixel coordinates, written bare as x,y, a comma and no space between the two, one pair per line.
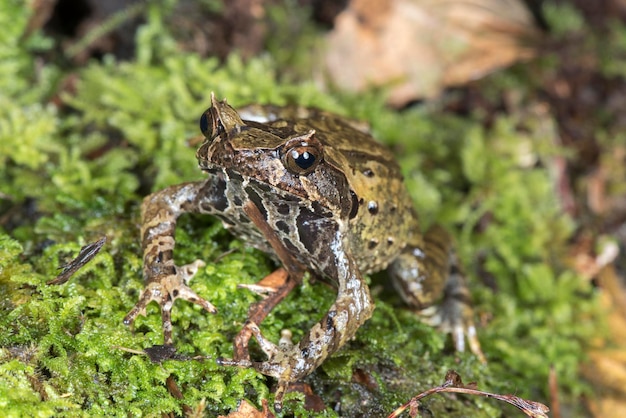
319,194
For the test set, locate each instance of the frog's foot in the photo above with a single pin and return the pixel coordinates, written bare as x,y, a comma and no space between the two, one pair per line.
164,290
285,362
456,316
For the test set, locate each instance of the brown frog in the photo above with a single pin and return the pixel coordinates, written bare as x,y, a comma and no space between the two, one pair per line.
317,192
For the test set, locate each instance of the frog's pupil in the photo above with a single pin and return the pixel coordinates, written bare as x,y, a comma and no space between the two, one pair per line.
304,160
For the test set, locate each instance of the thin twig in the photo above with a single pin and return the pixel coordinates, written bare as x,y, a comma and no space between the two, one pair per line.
453,383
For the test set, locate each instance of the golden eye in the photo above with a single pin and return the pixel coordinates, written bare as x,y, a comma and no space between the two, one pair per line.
301,154
301,159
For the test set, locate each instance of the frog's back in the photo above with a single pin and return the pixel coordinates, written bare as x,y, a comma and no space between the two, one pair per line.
385,220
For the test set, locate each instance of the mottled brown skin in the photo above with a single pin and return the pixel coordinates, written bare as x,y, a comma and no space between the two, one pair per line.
317,192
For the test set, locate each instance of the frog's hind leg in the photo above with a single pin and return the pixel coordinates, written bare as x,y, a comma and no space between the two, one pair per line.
428,277
274,288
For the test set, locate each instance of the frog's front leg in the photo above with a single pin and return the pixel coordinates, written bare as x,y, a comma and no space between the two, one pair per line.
428,277
166,282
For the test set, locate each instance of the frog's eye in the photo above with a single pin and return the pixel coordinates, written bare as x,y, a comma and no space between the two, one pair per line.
300,155
210,124
300,160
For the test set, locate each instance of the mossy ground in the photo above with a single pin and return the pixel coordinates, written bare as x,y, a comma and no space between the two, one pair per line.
74,172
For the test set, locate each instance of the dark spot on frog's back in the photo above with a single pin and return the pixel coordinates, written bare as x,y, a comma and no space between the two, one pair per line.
355,204
282,208
319,209
290,247
217,200
305,352
330,323
306,229
263,187
234,176
312,228
226,220
282,226
164,255
256,199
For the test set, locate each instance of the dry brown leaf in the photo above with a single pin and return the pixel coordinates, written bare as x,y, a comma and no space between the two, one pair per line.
418,47
246,410
588,255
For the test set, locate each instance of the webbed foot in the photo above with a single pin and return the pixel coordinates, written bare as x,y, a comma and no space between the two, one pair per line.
165,289
456,316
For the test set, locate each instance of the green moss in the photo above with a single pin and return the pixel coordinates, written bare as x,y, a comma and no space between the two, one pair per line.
59,352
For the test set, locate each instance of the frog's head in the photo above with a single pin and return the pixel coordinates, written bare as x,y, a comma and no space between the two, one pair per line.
289,162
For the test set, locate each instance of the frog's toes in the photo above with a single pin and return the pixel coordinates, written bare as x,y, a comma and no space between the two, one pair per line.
269,285
164,290
187,271
258,289
271,367
268,347
455,316
180,290
279,363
